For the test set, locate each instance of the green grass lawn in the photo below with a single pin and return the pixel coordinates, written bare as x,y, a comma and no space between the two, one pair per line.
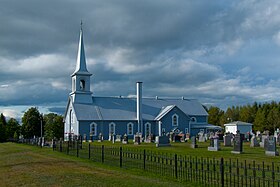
26,165
250,154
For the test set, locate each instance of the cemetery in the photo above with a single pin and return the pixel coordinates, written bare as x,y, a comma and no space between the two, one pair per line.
236,160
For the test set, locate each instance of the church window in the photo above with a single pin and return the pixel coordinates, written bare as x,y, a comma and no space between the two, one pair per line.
147,129
130,129
82,84
93,129
112,127
193,119
175,120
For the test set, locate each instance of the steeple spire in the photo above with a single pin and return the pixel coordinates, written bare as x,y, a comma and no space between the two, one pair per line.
81,66
81,77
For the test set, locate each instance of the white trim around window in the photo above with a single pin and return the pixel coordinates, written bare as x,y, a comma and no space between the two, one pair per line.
148,129
175,120
112,128
193,120
93,129
130,128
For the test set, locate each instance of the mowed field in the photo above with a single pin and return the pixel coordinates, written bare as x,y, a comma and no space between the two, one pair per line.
26,165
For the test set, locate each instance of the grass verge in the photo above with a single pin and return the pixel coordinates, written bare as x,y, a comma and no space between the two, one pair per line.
25,165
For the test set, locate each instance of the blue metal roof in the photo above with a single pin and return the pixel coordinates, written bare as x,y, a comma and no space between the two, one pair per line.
124,108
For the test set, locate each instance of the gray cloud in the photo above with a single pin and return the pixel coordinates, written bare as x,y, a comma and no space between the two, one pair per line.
219,52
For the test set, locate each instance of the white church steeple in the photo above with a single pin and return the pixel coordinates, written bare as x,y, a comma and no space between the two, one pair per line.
81,77
81,66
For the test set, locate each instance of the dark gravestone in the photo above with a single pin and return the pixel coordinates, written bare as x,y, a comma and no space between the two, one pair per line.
221,137
125,139
237,144
162,141
137,140
227,140
254,142
193,142
270,146
91,137
177,138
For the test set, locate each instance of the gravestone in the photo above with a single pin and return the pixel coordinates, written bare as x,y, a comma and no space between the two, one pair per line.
211,135
201,137
171,136
53,145
270,147
187,137
100,137
182,137
137,139
113,138
85,138
193,142
206,136
118,138
110,137
263,139
162,141
43,141
227,140
214,145
149,138
220,136
177,138
254,142
237,144
91,137
125,139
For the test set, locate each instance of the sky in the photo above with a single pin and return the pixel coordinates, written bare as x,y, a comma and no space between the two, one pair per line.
220,52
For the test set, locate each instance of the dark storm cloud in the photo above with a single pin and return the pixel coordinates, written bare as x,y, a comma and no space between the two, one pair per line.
218,52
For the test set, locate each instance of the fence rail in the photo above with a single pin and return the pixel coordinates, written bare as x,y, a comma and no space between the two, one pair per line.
210,172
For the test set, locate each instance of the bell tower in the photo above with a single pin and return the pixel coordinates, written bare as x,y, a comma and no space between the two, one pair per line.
81,77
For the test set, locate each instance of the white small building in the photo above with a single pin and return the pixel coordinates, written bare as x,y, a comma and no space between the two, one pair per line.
234,126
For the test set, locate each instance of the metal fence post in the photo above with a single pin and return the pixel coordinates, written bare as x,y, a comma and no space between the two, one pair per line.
68,148
60,145
176,165
121,152
102,154
144,159
222,172
77,142
88,150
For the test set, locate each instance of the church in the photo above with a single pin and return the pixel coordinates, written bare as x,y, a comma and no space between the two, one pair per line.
90,115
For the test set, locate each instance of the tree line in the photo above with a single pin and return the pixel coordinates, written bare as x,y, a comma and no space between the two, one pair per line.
263,116
33,124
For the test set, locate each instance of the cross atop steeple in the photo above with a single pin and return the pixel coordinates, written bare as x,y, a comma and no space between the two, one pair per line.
81,24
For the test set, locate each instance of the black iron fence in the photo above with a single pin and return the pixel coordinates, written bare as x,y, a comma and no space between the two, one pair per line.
210,172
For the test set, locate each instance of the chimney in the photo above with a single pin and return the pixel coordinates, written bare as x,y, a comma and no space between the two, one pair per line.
139,106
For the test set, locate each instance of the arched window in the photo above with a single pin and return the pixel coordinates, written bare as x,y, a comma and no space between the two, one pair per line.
193,119
147,129
175,118
130,128
93,129
82,84
112,127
